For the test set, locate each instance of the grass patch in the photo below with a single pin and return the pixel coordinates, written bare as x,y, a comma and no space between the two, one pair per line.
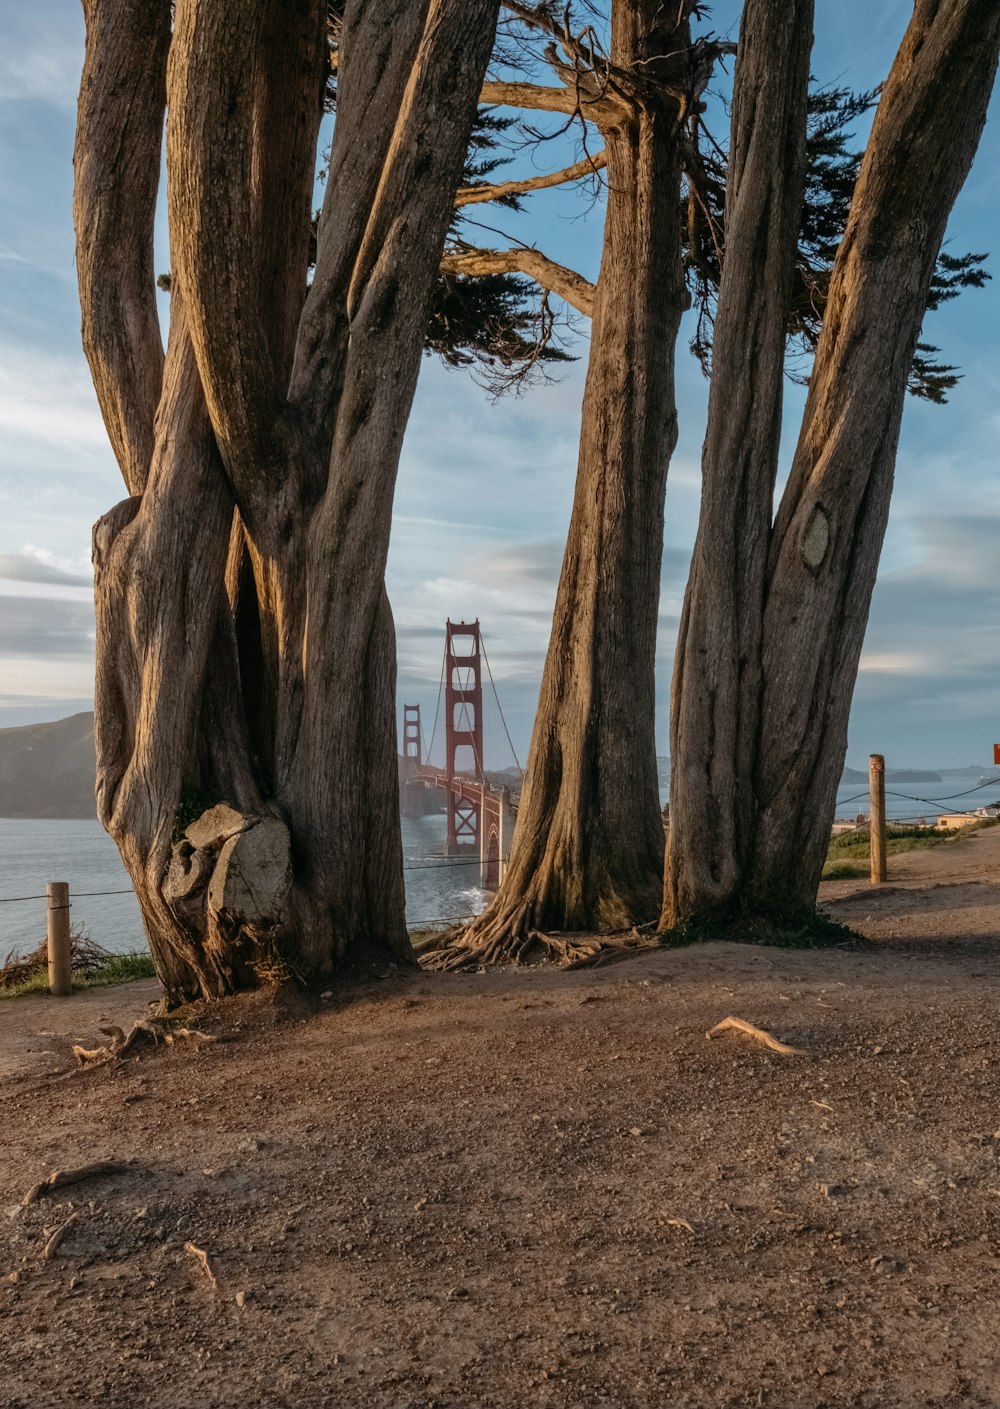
120,968
848,856
93,966
844,871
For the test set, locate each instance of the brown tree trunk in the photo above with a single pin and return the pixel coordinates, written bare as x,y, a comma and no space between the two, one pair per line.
717,668
823,551
587,852
271,625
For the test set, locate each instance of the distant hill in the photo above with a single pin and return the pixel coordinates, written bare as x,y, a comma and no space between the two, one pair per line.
894,775
48,770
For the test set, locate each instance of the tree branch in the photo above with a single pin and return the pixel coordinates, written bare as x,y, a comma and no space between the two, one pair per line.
484,191
117,171
601,109
567,283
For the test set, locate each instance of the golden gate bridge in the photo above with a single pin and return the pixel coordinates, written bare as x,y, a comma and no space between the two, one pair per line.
470,758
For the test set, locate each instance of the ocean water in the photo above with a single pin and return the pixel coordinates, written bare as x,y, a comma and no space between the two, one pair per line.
437,887
913,802
81,853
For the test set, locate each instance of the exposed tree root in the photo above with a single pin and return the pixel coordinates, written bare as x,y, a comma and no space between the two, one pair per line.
759,1034
144,1030
61,1178
464,950
188,1034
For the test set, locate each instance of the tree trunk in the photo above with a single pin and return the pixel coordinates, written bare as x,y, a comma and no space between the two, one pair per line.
587,852
717,668
245,708
830,526
823,551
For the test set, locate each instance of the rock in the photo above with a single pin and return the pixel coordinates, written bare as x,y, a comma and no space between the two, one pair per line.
214,827
253,876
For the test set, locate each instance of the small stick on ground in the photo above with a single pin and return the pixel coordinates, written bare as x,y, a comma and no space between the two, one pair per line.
50,1248
679,1223
60,1178
759,1034
200,1255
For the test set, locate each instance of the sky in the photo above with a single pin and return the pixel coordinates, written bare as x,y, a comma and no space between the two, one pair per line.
484,490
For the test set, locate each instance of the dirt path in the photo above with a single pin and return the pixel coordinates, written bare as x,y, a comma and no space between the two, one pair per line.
539,1188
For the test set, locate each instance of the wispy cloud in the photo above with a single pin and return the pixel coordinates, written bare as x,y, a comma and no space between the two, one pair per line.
42,54
39,565
48,398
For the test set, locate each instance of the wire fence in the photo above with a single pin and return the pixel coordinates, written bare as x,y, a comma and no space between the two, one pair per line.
79,894
444,864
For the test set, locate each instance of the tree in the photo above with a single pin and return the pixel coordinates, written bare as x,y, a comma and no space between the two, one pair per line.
245,650
587,851
587,854
775,612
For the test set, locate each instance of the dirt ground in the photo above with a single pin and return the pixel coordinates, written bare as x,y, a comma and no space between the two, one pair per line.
533,1188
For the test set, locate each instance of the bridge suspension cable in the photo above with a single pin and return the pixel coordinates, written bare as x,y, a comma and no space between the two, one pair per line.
437,707
503,721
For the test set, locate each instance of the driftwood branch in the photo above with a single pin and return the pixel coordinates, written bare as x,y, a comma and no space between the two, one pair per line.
62,1178
486,191
52,1246
201,1257
557,278
759,1034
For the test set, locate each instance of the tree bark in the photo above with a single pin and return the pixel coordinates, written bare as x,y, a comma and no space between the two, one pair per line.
355,826
588,847
246,664
116,175
717,667
830,525
822,553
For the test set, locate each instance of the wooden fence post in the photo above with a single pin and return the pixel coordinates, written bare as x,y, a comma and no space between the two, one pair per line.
876,791
60,961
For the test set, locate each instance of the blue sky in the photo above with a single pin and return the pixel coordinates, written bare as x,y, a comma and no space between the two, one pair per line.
484,490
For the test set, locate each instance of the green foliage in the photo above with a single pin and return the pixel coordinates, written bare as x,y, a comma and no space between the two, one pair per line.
496,323
833,162
121,968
